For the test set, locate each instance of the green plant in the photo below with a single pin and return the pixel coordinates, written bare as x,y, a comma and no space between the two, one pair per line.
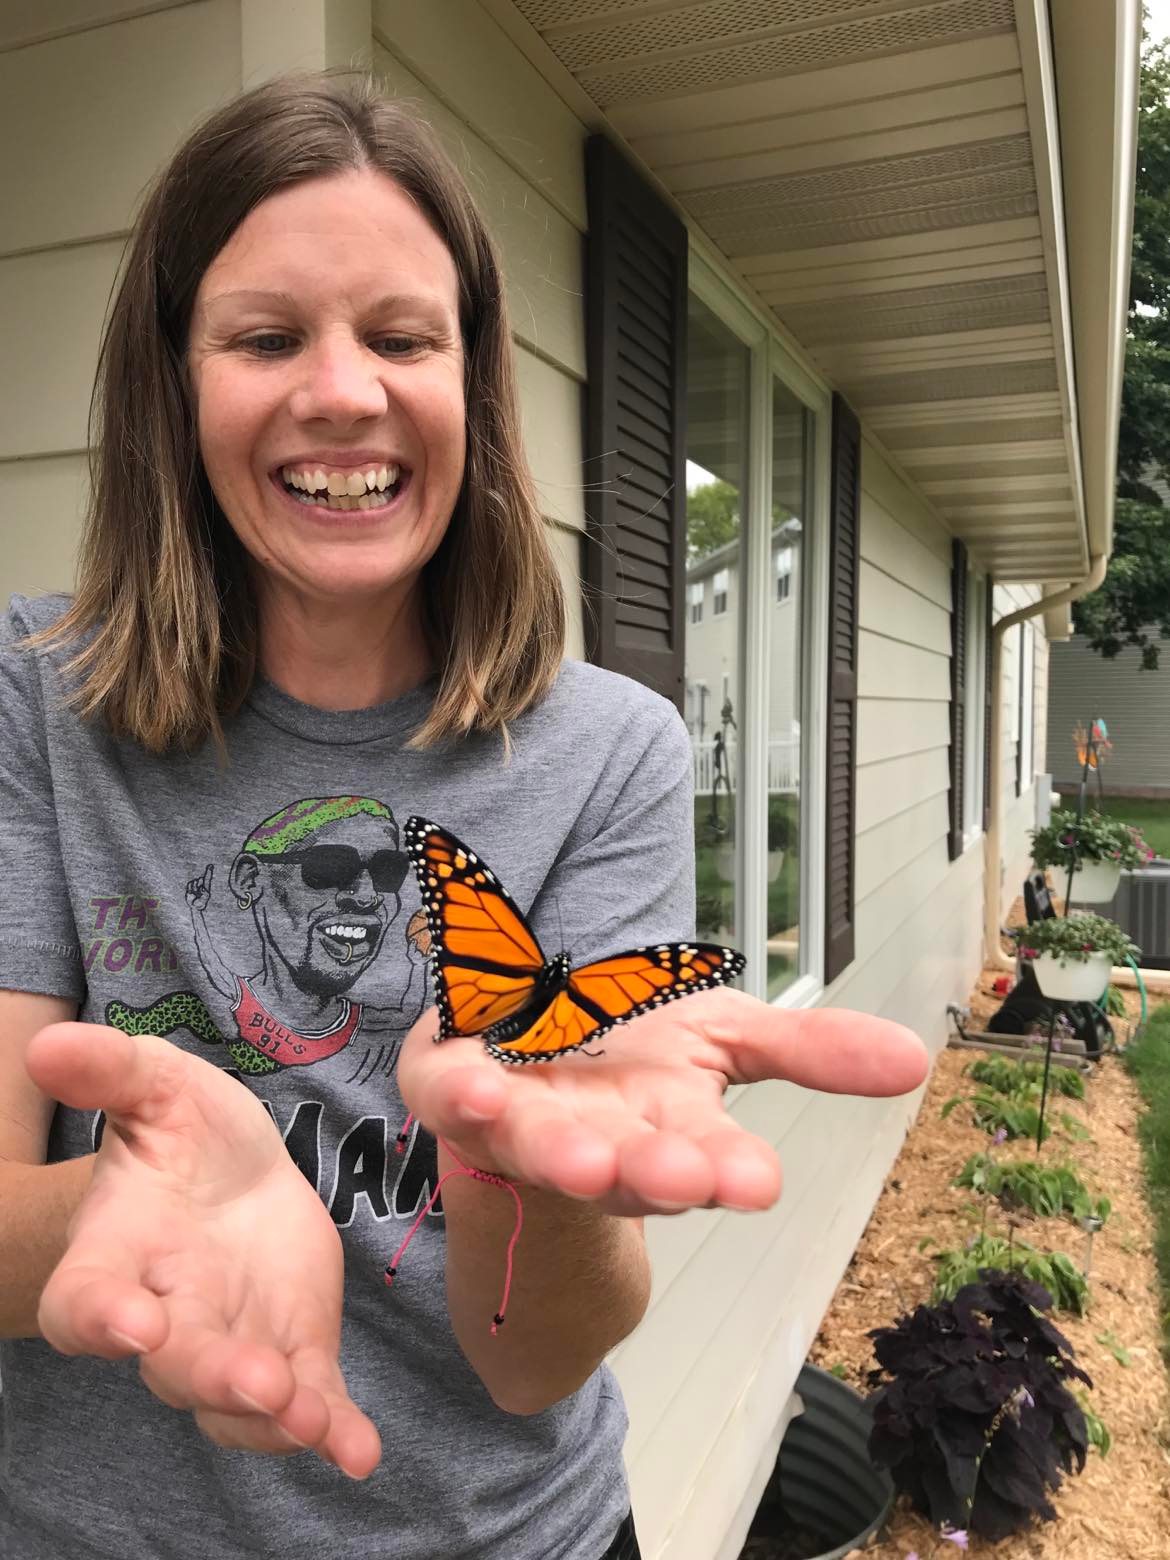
1057,1272
1072,938
1096,1429
1024,1077
1000,1113
1095,837
1109,1340
1147,1058
1046,1190
1114,1003
972,1412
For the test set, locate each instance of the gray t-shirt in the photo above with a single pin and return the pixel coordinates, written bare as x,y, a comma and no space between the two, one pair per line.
151,890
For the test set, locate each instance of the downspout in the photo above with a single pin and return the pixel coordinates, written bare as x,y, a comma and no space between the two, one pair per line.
992,844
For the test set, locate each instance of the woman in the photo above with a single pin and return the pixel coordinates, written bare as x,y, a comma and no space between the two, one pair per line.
315,596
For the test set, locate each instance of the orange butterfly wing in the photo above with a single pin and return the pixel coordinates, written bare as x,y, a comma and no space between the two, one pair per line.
484,956
609,992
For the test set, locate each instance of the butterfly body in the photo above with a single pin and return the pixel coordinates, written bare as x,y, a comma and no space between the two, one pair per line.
492,978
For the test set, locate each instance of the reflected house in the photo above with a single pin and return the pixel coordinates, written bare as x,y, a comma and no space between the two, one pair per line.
819,321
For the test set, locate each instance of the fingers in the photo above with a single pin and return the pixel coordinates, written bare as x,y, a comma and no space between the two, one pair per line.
94,1067
95,1303
831,1049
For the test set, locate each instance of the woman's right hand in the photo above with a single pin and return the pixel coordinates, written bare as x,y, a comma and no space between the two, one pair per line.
201,1248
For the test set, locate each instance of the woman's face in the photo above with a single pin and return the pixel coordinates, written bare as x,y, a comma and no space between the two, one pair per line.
327,366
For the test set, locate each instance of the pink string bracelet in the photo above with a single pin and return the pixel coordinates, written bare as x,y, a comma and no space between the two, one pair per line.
489,1178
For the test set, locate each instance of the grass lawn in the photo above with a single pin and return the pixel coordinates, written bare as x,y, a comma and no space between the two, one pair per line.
1150,815
715,892
1148,1059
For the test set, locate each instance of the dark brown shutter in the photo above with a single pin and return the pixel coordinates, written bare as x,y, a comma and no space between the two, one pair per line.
635,472
841,767
989,712
958,695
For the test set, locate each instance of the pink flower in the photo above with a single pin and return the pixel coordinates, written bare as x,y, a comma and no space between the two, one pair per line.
956,1536
1000,1136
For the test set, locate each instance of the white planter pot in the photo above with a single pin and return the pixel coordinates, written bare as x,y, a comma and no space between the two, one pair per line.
775,864
1074,981
1094,882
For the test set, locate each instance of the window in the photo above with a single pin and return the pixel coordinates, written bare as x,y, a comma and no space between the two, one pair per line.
975,707
792,427
1026,752
695,601
717,400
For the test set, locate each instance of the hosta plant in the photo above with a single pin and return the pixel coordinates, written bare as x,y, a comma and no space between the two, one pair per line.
1055,1272
1072,938
972,1412
1046,1190
1025,1077
1095,837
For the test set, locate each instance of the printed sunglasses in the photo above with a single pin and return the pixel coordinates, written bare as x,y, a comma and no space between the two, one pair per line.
336,866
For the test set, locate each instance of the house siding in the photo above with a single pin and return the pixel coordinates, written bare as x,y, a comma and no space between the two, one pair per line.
94,115
737,1299
1134,705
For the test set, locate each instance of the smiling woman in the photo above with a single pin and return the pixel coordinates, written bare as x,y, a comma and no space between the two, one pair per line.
315,598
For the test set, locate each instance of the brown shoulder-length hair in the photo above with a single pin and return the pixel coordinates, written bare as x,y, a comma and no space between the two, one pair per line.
163,623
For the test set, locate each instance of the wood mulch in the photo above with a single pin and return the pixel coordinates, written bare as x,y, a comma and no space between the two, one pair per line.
1120,1506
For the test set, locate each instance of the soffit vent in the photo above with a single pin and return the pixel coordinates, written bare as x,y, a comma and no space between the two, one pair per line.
931,311
954,384
695,24
1009,156
1010,428
574,16
916,27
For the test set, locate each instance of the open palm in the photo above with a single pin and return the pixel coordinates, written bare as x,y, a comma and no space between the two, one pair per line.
642,1127
202,1248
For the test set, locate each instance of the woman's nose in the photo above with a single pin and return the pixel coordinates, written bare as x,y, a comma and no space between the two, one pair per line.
341,383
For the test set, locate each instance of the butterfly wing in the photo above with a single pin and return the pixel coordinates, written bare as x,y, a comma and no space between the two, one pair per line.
484,955
609,992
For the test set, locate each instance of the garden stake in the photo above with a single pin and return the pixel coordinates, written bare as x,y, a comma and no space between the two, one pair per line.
1047,1069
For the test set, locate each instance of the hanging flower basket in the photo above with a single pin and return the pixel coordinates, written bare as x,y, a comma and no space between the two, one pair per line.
1068,982
1093,882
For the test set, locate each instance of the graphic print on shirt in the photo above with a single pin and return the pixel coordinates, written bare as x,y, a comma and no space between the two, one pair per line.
320,880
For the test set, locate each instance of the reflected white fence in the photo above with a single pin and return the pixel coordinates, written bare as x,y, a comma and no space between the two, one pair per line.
783,765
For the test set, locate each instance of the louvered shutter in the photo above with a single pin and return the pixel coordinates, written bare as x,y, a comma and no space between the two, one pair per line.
841,767
958,695
990,710
636,323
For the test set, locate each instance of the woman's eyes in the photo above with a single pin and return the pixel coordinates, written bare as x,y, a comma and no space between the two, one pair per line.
274,343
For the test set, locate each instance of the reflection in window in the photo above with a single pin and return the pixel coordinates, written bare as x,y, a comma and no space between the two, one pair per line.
792,430
717,380
695,601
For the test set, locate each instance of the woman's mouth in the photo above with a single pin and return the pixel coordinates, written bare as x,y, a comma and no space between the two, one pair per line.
372,487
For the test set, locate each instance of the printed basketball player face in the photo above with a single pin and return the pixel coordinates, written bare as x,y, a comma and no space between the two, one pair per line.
323,905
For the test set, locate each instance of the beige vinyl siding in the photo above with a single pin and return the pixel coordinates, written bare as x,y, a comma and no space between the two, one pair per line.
522,152
1134,705
95,99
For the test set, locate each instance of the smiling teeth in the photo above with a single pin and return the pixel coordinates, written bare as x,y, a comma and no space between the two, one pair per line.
347,933
341,484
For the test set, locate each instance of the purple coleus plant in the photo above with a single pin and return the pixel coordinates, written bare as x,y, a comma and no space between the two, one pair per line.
972,1414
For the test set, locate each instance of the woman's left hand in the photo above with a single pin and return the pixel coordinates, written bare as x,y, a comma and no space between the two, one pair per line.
642,1127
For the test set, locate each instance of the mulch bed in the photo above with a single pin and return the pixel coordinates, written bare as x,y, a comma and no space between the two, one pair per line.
1120,1506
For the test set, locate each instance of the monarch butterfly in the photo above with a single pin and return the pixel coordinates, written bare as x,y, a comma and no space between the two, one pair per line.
493,979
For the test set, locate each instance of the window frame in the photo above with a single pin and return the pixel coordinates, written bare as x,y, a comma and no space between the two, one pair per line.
974,709
772,359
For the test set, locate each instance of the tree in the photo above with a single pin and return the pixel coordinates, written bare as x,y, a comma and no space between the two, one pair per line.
1132,607
712,518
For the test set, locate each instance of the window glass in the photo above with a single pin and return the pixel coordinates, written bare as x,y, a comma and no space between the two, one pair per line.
792,428
717,383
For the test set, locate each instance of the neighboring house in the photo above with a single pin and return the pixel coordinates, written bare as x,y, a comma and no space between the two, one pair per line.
1134,704
843,254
